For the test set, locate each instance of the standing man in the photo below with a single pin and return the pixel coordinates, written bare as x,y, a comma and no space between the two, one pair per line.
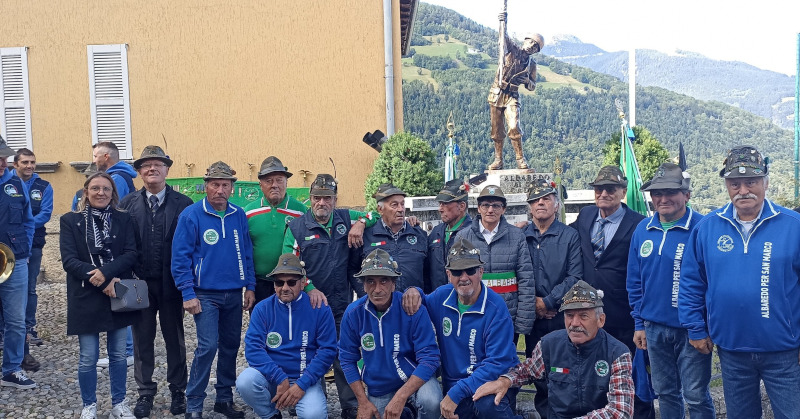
557,265
453,212
679,372
320,237
16,235
212,260
289,346
518,69
399,352
155,210
407,244
740,290
508,270
106,156
268,219
474,332
605,230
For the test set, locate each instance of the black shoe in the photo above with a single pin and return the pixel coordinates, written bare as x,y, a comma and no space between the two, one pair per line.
178,405
143,406
33,338
194,415
350,413
228,409
29,363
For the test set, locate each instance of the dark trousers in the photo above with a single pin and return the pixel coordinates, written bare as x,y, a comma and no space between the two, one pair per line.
641,408
347,399
264,289
170,316
540,328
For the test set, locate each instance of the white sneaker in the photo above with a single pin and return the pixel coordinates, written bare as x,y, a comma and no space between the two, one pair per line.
122,411
102,363
129,360
89,412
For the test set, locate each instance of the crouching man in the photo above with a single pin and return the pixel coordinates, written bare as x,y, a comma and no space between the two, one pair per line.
399,350
588,372
289,347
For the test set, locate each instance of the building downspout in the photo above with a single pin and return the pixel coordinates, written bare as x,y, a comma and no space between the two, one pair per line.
388,42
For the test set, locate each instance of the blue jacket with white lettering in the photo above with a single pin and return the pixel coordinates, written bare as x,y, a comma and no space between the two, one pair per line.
393,347
291,340
476,346
743,291
210,252
654,268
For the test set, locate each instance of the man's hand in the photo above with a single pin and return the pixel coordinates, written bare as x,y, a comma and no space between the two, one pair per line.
96,277
541,308
282,388
249,300
317,298
704,346
499,387
109,289
289,397
356,236
411,301
413,221
368,411
502,16
448,408
192,306
640,339
394,409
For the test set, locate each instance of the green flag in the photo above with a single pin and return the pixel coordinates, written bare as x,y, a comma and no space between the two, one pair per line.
627,161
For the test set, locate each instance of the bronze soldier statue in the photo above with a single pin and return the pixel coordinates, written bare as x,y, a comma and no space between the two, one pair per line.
518,68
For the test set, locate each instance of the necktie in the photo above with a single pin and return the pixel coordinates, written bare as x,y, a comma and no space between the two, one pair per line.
153,203
599,239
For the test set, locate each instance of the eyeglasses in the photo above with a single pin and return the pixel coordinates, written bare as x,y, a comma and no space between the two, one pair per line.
469,271
148,166
610,189
105,189
494,206
278,283
664,192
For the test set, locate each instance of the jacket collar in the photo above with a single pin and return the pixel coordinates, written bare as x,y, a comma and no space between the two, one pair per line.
767,211
230,209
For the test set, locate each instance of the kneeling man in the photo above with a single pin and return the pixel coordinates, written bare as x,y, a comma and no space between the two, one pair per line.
289,347
588,372
399,350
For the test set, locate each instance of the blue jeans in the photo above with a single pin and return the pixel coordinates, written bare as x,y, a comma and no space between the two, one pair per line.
117,367
13,299
218,326
257,392
426,399
34,266
129,342
676,367
485,408
741,372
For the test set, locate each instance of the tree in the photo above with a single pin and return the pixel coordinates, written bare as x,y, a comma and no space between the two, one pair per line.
649,152
407,162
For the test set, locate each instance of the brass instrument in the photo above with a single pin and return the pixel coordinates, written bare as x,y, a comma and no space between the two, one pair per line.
7,262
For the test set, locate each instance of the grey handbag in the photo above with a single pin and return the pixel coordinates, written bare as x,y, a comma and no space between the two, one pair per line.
131,295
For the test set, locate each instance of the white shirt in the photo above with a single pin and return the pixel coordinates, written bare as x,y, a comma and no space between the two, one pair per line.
488,235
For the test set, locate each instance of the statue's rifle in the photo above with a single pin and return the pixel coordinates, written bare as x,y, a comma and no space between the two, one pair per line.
502,46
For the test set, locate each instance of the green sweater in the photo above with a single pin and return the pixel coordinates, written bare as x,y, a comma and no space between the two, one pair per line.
267,225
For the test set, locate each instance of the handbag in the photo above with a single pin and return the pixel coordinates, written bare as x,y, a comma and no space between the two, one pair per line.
131,296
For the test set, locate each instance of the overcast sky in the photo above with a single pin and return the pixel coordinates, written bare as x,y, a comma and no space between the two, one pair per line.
762,33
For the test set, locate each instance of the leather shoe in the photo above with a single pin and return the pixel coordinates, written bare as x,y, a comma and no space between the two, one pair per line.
178,405
29,363
143,406
194,415
228,409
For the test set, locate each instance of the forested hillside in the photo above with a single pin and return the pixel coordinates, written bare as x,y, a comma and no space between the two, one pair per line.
570,115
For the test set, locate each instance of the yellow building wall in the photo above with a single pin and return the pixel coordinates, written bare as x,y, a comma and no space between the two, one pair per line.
220,80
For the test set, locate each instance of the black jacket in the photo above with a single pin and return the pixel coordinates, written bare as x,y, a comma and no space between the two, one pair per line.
88,309
137,206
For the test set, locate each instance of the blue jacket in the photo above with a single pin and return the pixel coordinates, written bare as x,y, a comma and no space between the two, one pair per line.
410,251
16,217
293,340
476,346
40,194
654,269
393,347
437,253
743,291
212,252
123,175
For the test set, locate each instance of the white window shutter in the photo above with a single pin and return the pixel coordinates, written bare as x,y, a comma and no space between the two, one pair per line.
109,96
15,121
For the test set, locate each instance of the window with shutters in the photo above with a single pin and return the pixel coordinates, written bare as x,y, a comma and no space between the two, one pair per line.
15,121
109,96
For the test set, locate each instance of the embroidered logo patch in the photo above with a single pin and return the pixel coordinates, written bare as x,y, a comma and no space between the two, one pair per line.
36,195
368,342
646,249
601,368
447,326
211,236
725,243
412,240
11,190
341,229
274,339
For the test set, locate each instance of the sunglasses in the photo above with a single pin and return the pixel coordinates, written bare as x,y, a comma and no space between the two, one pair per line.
469,271
278,283
610,189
